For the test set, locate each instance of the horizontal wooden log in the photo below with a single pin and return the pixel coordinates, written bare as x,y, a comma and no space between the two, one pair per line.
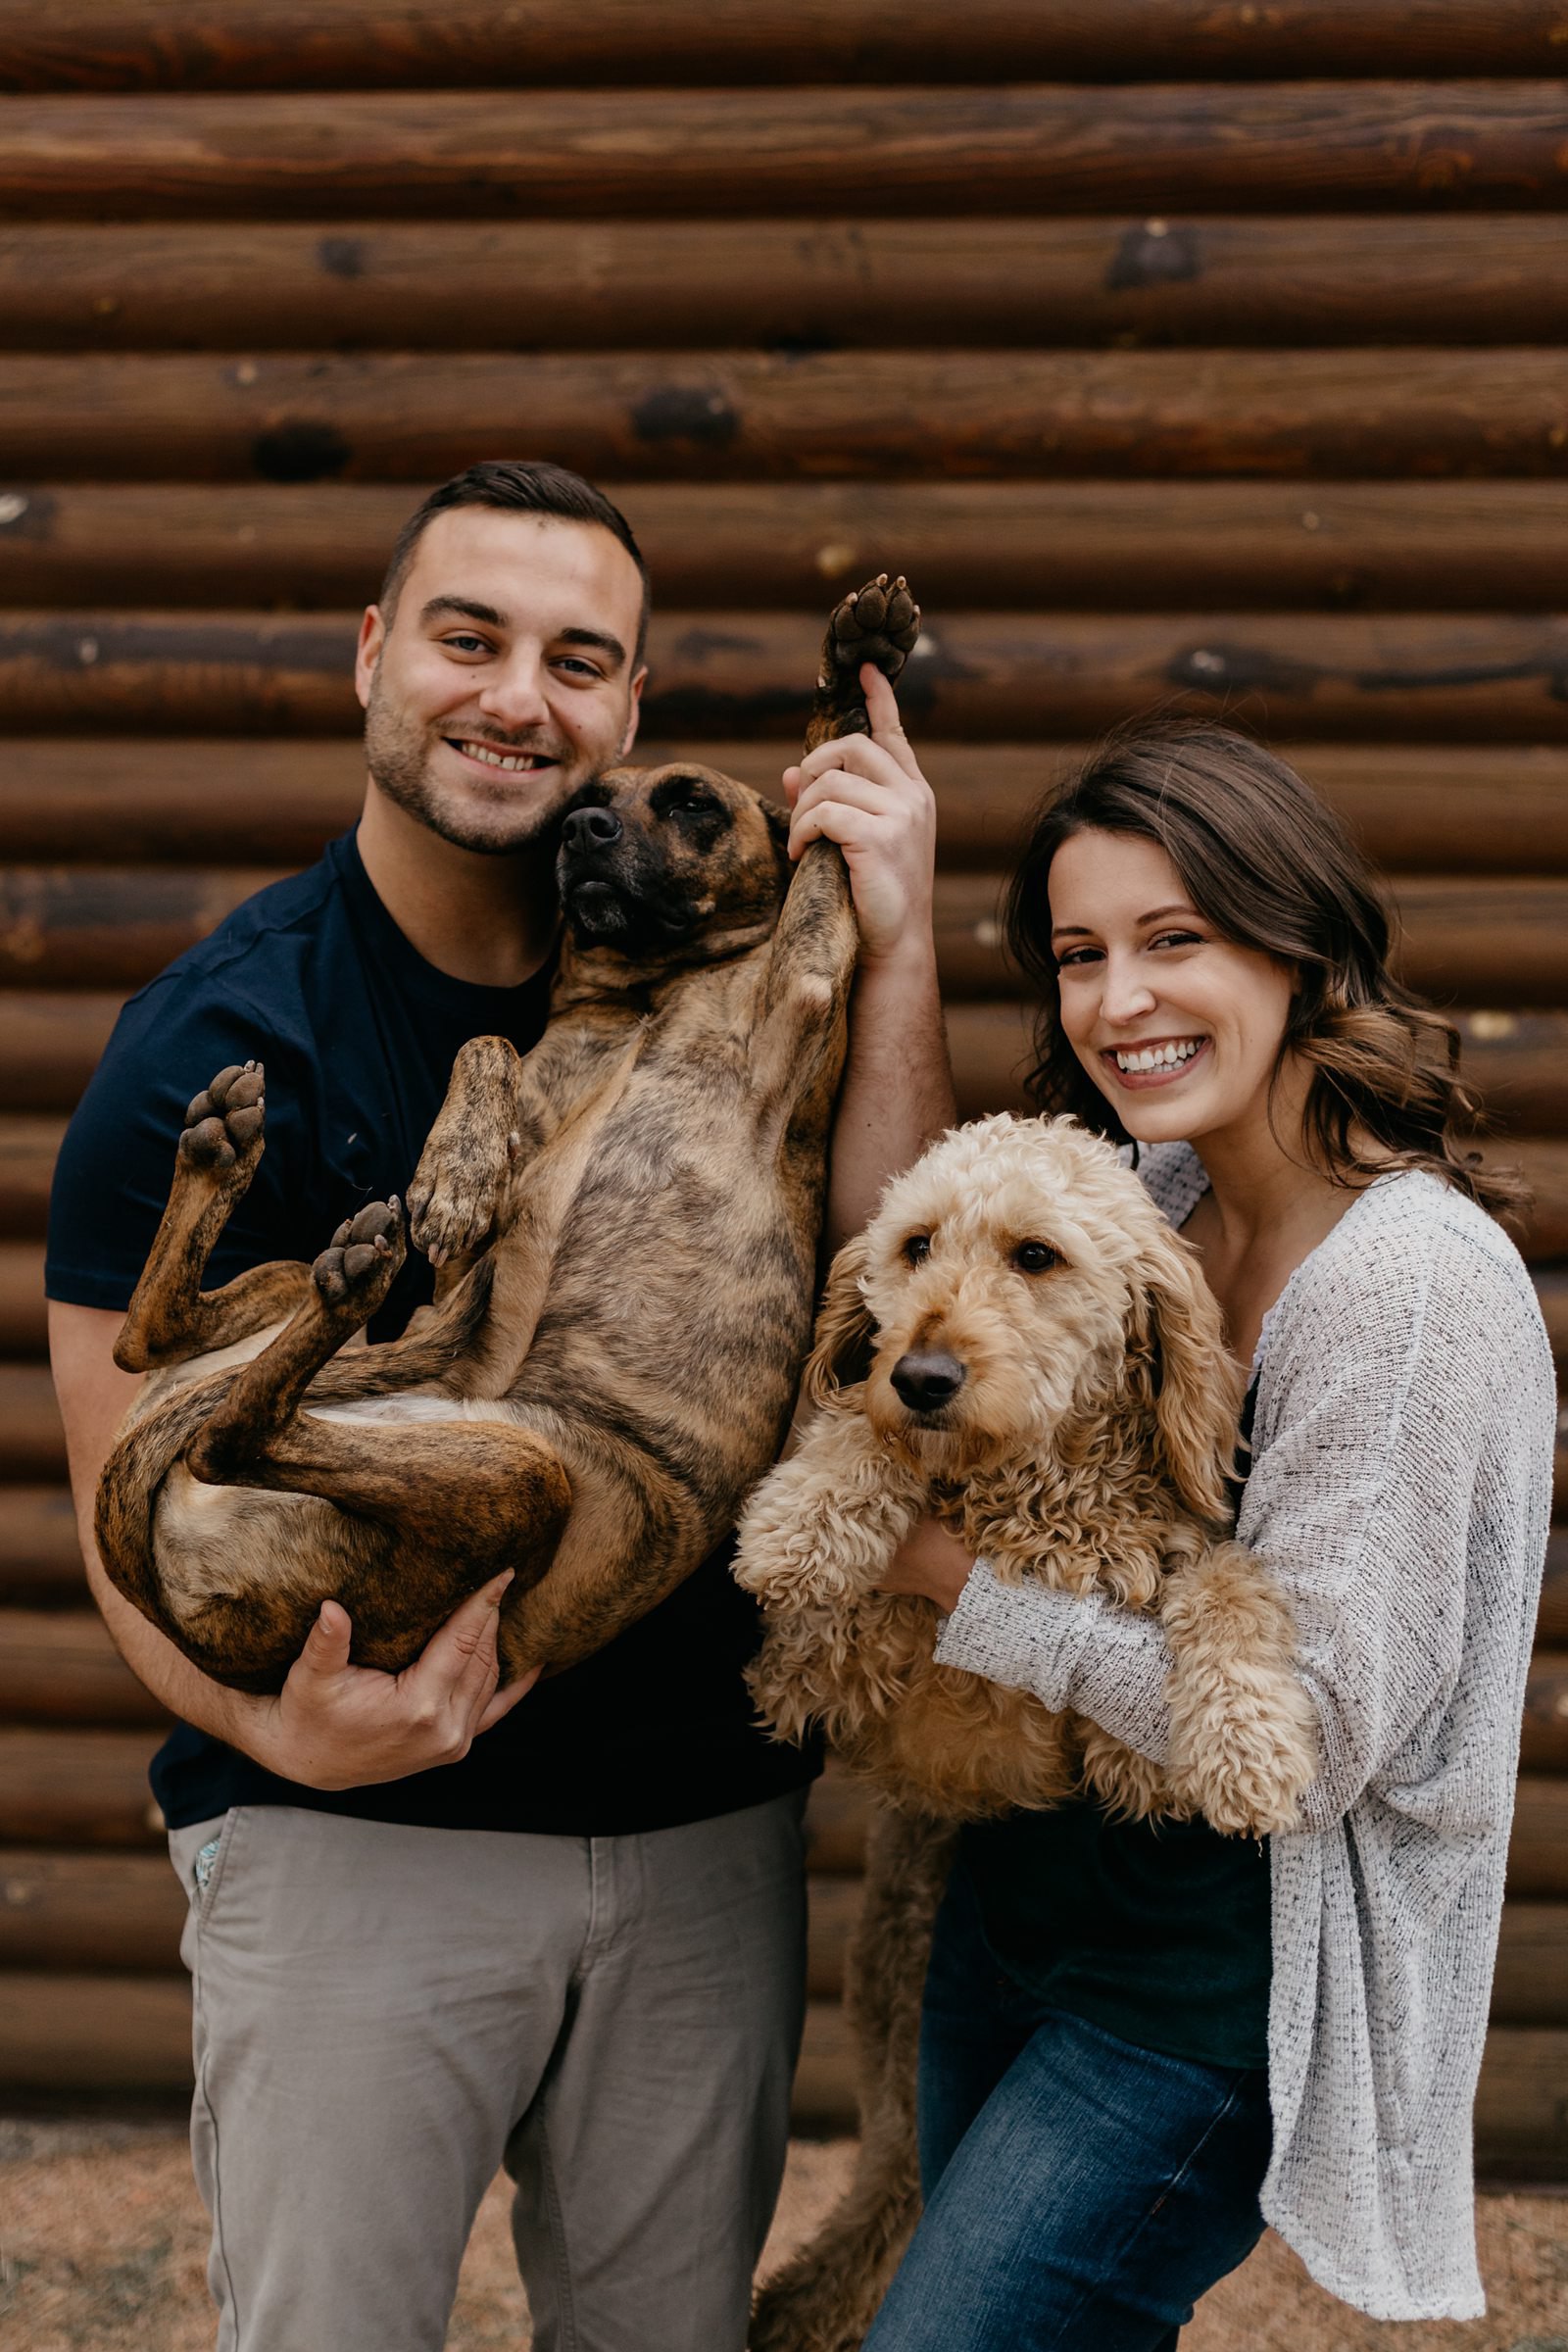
1531,1985
1351,677
1490,937
1551,1628
371,44
1014,147
40,1560
806,283
49,1047
248,801
1545,1725
1263,546
1538,1850
96,2036
22,1329
1521,2112
284,416
60,1666
1517,1063
33,1442
84,1912
28,1148
76,1788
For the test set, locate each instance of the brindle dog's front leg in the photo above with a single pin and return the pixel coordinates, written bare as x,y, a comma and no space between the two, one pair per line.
171,1318
459,1192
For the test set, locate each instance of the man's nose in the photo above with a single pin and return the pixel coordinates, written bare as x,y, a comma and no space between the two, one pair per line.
590,829
514,694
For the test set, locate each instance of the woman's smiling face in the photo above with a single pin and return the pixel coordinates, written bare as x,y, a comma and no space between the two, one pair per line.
1178,1027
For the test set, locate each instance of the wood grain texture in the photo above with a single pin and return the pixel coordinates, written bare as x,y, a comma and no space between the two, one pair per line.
1015,147
1521,2118
1545,1723
90,1912
77,1788
716,675
49,1046
810,283
22,1331
1079,545
236,801
28,1148
1551,1627
60,1666
285,416
105,2036
33,1442
1538,1850
40,1560
391,44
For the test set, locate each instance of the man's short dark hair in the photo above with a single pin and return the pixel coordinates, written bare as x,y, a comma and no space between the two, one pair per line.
516,486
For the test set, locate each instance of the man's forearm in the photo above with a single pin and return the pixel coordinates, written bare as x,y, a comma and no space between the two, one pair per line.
898,1086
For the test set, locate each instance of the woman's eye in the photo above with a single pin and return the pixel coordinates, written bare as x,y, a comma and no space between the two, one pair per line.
916,1249
1176,939
1076,957
1035,1258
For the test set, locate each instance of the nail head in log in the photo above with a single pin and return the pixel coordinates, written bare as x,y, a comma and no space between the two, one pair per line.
1014,147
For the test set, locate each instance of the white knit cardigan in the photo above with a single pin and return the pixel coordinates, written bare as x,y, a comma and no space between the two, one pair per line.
1399,1489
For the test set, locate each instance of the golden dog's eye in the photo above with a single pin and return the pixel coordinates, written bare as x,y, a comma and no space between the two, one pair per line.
916,1249
1035,1258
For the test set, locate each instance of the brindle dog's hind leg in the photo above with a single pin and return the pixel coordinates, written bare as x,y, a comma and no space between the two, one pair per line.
463,1498
171,1318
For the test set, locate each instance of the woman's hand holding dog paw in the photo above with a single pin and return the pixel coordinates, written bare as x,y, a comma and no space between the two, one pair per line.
335,1725
931,1565
866,793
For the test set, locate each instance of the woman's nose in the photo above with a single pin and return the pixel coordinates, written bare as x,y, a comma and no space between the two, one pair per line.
1125,994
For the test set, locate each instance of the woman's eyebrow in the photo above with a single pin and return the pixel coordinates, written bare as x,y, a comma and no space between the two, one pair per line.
1157,915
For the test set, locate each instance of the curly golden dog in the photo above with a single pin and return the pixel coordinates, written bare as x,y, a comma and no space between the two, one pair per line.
1048,1376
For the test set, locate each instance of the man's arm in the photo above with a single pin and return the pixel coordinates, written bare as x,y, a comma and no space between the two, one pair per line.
868,794
333,1725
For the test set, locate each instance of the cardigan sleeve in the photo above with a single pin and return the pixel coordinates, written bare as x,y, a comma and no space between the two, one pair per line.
1393,1357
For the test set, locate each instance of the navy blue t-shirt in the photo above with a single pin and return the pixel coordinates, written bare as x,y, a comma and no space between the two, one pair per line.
358,1034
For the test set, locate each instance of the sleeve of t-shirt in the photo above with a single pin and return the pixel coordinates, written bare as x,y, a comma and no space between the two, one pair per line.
116,1164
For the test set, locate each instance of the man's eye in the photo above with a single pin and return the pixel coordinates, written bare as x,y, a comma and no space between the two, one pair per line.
579,668
464,644
1035,1258
916,1249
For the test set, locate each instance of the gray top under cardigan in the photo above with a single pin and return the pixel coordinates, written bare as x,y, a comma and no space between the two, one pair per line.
1401,1489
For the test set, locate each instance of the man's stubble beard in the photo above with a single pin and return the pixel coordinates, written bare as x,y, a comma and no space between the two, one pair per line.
398,754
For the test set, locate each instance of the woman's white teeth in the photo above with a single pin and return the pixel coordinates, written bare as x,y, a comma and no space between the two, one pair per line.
512,762
1158,1058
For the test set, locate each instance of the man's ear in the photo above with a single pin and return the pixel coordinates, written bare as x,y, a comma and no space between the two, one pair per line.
634,713
373,636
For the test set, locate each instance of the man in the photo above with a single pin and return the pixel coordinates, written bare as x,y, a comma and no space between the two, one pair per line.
436,1925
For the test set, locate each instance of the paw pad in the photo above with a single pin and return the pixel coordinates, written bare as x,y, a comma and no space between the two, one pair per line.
879,622
225,1121
363,1255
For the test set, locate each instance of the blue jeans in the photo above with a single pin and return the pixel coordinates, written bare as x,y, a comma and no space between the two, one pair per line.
1081,2194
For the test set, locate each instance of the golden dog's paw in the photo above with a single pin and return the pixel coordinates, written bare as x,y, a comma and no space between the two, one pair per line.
360,1264
1244,1758
879,622
223,1127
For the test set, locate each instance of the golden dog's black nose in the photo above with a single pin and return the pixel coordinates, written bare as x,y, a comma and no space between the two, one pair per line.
589,829
927,1379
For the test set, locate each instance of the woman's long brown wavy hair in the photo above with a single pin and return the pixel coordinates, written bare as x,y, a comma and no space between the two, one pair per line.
1265,861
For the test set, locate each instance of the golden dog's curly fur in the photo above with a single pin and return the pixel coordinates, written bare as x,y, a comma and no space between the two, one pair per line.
1089,1448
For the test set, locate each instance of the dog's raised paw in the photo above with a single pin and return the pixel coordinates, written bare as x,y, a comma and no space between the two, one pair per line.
879,622
359,1263
224,1124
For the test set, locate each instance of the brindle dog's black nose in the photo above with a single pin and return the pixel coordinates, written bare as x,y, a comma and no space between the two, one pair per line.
928,1379
590,829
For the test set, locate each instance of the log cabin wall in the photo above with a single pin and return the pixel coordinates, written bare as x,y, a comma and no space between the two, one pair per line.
1172,347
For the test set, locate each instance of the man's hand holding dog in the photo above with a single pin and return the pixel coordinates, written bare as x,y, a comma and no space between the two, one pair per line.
866,793
339,1726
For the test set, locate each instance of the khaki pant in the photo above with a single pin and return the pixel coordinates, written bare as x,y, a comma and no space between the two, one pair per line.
386,2016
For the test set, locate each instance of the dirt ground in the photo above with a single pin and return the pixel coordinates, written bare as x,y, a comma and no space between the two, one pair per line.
102,2247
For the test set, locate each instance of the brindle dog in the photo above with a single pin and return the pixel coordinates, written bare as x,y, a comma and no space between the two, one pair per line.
625,1225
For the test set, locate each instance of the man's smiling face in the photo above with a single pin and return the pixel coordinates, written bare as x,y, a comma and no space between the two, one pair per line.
506,676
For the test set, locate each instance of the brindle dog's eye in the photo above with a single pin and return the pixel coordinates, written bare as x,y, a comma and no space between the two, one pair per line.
1035,1258
916,1249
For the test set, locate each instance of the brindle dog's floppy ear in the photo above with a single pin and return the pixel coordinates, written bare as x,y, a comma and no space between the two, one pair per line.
846,1328
1177,1362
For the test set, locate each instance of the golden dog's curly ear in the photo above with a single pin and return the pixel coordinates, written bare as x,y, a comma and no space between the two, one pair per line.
846,1328
1177,1362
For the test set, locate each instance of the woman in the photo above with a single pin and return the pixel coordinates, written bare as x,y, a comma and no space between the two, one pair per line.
1140,2041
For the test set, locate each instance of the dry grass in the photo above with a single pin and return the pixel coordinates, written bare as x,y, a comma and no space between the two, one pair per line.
103,2243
